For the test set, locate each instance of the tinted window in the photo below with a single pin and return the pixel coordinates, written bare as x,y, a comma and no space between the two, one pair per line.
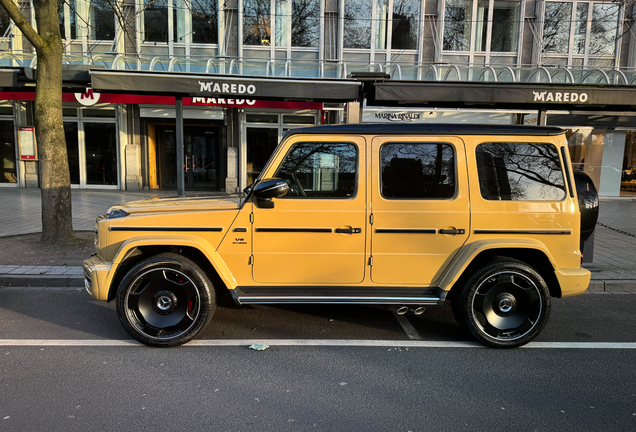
417,170
320,170
520,171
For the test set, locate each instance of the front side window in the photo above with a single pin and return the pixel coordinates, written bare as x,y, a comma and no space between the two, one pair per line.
417,170
520,172
320,170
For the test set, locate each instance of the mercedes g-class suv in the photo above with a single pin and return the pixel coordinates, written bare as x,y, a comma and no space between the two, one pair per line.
403,215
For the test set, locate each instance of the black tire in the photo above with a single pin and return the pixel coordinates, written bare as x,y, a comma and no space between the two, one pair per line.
165,300
505,304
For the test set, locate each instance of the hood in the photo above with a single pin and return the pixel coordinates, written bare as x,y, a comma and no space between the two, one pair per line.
180,204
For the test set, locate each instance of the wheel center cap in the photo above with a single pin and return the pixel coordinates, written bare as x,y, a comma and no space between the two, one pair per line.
505,304
164,302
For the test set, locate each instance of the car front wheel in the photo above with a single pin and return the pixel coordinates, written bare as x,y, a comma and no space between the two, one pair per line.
165,300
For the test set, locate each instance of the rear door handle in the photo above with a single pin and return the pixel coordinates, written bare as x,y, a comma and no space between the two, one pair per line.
452,231
348,230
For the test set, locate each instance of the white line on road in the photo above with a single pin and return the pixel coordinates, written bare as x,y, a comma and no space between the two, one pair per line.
313,342
410,331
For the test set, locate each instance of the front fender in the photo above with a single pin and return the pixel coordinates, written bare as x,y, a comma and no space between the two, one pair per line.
195,242
470,251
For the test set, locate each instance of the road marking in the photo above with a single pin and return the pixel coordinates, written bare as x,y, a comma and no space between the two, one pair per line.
410,331
313,342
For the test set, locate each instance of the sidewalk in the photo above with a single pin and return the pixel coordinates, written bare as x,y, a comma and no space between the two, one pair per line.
613,269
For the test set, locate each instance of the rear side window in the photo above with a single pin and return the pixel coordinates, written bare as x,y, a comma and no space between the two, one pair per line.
520,172
417,170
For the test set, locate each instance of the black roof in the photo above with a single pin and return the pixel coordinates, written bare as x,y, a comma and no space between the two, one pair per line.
427,129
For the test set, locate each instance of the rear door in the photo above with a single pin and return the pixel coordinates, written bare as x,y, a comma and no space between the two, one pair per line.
420,207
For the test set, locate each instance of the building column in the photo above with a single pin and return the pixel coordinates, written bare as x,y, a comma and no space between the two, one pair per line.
133,148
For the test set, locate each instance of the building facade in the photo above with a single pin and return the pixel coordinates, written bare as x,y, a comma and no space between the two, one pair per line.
127,140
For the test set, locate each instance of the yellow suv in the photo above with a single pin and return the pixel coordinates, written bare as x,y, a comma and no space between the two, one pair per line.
403,215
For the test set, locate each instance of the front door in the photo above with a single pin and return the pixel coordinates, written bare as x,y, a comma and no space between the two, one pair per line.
201,155
316,234
420,207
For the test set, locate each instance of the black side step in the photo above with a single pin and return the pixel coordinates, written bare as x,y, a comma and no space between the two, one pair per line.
338,295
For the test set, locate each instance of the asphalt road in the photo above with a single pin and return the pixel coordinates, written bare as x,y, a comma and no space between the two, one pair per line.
364,376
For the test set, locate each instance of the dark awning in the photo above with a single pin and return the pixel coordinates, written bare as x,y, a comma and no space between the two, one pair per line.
503,95
206,85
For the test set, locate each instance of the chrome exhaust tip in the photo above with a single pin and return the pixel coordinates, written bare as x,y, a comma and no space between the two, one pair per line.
399,310
418,310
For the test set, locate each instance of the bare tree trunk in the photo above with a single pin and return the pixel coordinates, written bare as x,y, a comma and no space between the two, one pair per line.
57,221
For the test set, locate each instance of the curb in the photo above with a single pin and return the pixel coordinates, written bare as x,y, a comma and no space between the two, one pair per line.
626,285
7,280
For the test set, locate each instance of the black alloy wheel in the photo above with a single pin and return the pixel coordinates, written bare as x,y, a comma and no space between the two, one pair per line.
505,304
165,300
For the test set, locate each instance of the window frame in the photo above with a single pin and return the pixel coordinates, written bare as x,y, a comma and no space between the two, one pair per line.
455,169
488,54
571,56
561,166
353,196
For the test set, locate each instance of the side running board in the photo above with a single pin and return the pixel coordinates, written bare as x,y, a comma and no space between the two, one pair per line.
338,295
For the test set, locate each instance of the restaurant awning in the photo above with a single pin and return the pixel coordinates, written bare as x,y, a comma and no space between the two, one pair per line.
209,85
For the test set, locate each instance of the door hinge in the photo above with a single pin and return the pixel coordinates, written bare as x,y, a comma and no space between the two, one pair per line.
250,260
370,260
251,217
371,218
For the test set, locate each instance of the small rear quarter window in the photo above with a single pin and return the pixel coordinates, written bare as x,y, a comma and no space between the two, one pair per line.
520,172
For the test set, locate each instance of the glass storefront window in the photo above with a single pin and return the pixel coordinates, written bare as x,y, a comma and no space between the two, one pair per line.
205,21
101,153
305,23
595,40
628,174
261,118
8,171
505,26
580,28
357,24
72,151
155,21
457,24
603,30
556,27
101,20
256,22
405,24
282,22
62,18
261,143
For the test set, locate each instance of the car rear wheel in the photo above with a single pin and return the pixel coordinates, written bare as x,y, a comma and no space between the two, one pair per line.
505,304
165,300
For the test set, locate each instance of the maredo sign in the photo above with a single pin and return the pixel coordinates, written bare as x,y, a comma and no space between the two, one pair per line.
89,98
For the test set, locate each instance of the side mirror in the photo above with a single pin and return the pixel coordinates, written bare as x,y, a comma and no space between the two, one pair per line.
267,189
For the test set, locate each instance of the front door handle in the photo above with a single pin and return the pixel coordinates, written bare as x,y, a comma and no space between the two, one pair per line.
348,230
452,231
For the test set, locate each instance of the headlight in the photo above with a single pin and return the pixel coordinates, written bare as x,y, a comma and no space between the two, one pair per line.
96,240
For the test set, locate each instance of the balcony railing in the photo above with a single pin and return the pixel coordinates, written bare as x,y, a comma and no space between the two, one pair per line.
446,72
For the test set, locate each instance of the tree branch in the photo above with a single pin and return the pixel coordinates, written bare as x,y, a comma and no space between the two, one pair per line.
22,23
